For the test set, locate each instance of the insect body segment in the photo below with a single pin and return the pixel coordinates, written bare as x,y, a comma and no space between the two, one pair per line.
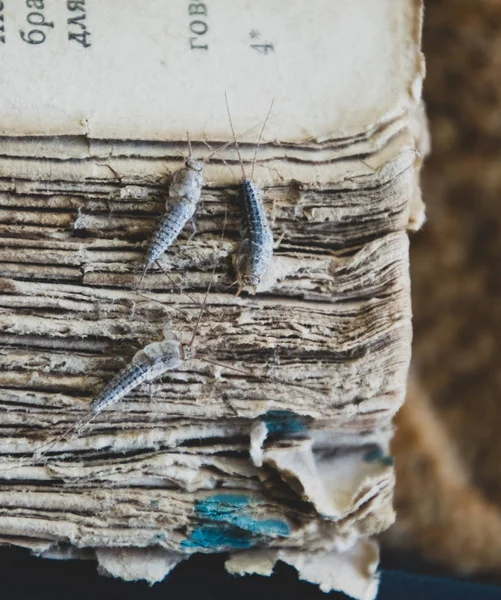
256,251
187,183
148,364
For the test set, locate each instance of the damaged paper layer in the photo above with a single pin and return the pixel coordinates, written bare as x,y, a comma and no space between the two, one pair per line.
281,447
278,164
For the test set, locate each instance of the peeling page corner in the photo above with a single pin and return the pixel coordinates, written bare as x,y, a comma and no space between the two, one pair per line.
353,572
133,564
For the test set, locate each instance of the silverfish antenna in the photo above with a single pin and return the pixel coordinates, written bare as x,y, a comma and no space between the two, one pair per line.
234,135
260,137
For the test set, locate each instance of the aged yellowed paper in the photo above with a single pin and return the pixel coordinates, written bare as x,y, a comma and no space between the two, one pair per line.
151,70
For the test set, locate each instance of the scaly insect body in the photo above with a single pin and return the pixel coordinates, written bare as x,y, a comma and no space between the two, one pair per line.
149,363
256,250
184,195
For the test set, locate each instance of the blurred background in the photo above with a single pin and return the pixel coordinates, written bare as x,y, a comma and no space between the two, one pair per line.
448,441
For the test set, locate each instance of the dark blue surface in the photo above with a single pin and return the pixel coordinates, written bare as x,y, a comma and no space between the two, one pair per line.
23,577
410,586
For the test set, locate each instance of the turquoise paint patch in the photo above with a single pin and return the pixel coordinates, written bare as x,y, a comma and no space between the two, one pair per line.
267,527
283,422
223,537
236,510
377,455
222,507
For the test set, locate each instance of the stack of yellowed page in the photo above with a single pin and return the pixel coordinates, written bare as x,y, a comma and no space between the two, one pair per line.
270,443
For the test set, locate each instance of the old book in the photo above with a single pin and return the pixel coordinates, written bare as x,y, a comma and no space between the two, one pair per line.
280,451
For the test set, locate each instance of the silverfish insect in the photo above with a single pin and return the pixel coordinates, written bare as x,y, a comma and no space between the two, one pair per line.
256,250
183,197
147,364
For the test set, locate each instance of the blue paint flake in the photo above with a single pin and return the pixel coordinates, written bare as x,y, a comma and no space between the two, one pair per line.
377,455
222,537
283,422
